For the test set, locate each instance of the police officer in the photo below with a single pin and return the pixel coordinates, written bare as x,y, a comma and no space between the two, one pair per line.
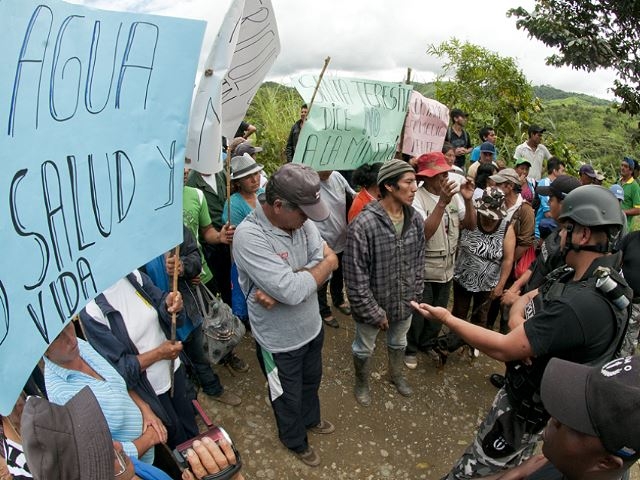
579,315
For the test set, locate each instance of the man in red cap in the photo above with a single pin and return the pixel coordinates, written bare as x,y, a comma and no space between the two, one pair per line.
444,213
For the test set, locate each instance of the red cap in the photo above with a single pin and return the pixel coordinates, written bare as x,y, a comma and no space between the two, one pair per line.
431,164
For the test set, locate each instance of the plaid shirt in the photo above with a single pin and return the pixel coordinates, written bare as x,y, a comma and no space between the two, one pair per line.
383,271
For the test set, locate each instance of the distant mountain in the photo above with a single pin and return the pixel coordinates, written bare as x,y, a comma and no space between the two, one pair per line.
547,92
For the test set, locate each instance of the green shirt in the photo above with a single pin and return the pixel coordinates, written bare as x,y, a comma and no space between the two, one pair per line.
195,215
631,198
215,201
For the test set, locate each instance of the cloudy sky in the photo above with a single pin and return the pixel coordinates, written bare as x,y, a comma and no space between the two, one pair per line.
379,39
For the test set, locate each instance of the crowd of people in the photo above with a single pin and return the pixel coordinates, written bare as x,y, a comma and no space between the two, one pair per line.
434,252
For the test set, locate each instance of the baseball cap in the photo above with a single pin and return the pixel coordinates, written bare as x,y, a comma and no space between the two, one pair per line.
629,161
597,401
560,187
431,164
70,441
244,165
617,190
246,147
300,185
488,147
506,175
521,161
234,144
587,170
599,175
536,129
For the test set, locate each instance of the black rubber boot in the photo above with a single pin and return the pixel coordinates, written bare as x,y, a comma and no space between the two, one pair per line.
361,390
396,372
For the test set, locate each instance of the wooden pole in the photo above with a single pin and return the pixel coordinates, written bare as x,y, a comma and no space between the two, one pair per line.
228,186
315,90
408,81
174,288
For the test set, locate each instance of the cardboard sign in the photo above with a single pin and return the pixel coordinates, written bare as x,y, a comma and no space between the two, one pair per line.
425,126
93,114
241,56
352,122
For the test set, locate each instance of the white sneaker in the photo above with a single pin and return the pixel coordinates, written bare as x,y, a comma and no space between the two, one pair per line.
411,361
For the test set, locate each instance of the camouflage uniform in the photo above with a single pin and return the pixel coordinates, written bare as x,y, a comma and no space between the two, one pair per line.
630,342
475,463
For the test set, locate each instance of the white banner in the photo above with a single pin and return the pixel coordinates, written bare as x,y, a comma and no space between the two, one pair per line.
242,54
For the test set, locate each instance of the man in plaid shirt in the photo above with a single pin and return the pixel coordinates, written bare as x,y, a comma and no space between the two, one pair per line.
383,269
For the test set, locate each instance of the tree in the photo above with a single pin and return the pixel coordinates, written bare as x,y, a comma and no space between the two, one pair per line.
490,87
591,34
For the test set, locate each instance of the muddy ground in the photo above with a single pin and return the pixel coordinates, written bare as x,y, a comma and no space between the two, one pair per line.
395,438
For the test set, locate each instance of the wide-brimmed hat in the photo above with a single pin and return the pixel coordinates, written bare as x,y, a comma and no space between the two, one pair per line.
243,166
491,204
70,441
432,164
299,185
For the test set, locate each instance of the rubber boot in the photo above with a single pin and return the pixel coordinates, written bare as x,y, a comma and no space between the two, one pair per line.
396,372
361,390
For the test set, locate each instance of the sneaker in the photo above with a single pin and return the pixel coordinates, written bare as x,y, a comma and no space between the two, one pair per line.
309,457
331,321
325,427
238,364
411,361
227,398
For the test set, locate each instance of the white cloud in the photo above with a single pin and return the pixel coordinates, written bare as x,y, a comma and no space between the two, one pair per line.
380,38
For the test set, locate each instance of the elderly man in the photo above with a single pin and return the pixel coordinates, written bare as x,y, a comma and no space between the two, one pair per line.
282,260
570,318
384,270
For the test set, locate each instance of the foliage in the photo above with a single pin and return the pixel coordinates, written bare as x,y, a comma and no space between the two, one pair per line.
273,111
547,92
591,34
490,87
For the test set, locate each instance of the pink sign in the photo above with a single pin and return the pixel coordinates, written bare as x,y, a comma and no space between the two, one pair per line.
425,126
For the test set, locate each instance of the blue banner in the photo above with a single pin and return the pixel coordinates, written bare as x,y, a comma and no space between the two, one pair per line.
94,108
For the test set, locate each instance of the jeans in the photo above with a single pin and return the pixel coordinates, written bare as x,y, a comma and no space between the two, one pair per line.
294,379
423,332
365,341
336,285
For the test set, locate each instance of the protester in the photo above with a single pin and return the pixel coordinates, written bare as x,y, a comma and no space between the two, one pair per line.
195,216
129,325
483,179
449,152
569,318
282,261
458,137
555,168
487,156
72,364
365,177
336,194
527,184
631,203
245,130
245,185
292,141
534,151
383,268
486,134
587,174
189,266
484,260
444,213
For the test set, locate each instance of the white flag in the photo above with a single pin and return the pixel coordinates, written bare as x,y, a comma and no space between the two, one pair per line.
242,54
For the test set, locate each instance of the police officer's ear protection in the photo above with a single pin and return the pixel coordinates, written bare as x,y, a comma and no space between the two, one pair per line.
612,236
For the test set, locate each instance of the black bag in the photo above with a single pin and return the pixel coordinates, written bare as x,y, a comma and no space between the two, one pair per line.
222,329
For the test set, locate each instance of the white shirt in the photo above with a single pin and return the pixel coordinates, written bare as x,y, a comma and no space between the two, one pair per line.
143,326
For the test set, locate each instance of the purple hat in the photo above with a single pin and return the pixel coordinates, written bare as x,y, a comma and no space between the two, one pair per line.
587,170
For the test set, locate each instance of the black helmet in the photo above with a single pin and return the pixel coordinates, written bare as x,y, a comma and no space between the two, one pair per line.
591,206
